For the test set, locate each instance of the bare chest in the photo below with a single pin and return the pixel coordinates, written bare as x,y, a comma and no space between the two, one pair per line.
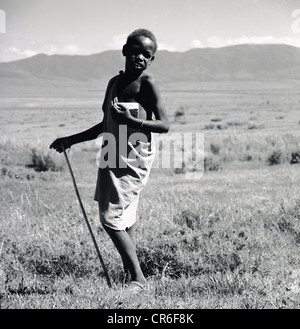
132,92
128,92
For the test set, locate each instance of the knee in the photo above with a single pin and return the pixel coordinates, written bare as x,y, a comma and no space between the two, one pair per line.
110,231
107,229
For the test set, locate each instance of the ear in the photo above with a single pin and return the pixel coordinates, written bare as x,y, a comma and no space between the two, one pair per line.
124,50
152,58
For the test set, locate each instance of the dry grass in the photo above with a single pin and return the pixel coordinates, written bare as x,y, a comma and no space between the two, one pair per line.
228,240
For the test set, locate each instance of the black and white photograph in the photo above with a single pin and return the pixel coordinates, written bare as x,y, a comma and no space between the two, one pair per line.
150,157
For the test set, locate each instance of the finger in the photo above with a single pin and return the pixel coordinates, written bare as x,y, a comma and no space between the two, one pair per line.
52,146
114,102
56,146
121,107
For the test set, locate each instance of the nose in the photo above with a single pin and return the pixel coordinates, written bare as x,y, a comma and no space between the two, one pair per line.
140,56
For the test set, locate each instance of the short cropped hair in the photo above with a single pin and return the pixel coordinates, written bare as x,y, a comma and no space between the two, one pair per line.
142,33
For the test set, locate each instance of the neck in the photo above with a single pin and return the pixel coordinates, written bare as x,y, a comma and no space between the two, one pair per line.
128,75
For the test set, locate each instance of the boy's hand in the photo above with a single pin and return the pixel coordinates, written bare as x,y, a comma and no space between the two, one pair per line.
59,144
121,113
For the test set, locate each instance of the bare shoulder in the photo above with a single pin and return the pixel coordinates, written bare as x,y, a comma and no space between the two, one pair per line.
148,78
112,79
148,83
149,96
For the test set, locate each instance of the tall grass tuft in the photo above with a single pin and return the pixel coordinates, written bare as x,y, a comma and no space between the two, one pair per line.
42,162
275,158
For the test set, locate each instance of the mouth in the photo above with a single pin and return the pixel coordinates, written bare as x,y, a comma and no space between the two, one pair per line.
137,65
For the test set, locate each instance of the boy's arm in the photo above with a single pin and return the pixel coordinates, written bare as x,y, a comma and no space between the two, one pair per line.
86,135
152,101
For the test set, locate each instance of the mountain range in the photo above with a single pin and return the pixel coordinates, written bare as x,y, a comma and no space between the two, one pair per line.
254,62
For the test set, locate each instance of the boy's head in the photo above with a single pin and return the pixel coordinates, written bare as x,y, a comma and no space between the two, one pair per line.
139,50
141,33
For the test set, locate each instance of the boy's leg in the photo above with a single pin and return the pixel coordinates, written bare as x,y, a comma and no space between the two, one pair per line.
125,244
131,233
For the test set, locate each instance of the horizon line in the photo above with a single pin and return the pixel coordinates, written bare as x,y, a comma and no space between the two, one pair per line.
158,50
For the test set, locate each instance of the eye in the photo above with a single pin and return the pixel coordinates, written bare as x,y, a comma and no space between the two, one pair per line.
147,55
134,51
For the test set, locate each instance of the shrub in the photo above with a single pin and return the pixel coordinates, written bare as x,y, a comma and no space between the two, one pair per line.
209,126
295,158
189,218
275,158
215,149
211,164
180,113
252,126
40,162
180,170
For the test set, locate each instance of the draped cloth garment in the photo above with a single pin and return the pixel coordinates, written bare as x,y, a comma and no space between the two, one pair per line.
125,162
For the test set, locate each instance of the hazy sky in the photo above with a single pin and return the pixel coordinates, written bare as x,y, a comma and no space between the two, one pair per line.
92,26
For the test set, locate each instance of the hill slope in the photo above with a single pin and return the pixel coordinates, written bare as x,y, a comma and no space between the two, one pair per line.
274,62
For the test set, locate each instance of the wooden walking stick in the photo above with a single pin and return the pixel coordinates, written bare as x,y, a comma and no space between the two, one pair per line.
86,220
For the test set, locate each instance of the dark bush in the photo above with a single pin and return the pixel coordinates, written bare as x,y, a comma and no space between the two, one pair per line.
295,158
275,158
40,162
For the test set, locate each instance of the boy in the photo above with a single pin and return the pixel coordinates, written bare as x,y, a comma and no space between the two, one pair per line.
118,185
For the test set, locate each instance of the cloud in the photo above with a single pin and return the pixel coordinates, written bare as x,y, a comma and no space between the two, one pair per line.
71,50
197,44
164,46
29,52
14,50
216,41
50,49
117,41
20,52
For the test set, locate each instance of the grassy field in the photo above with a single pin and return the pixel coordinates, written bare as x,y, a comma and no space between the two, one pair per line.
228,240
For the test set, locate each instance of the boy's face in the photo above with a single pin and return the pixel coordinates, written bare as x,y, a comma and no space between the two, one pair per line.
139,53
